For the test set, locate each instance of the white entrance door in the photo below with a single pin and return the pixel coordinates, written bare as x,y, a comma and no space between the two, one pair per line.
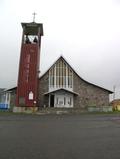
60,101
64,100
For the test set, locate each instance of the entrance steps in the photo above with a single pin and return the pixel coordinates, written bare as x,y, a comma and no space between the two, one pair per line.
60,111
42,111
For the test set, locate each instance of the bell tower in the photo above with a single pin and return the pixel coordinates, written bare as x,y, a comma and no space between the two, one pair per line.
28,76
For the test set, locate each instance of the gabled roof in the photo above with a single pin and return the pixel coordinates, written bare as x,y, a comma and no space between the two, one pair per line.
72,92
61,57
9,89
2,89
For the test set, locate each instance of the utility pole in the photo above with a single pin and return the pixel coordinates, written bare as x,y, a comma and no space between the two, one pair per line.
114,88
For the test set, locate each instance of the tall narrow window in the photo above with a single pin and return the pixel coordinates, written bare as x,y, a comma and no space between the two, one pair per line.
60,73
57,74
70,78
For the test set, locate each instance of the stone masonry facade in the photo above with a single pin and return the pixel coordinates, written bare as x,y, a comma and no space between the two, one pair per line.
43,88
88,94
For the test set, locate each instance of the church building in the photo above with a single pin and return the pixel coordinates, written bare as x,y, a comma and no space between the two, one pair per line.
60,86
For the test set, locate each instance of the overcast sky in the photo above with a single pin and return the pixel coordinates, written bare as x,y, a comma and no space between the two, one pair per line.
85,32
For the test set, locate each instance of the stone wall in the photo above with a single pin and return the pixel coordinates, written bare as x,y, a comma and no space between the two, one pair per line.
43,88
89,94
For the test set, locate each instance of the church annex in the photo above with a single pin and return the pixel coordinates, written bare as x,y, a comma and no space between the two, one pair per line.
61,86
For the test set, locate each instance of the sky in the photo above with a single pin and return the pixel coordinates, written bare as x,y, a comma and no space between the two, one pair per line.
85,32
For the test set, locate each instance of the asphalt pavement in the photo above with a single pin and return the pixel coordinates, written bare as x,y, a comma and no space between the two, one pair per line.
86,136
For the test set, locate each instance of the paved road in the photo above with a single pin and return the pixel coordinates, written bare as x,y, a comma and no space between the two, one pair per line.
59,137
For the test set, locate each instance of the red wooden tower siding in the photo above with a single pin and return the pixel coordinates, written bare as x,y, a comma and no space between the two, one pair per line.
27,88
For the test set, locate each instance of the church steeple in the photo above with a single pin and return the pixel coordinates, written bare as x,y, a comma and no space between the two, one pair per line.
27,88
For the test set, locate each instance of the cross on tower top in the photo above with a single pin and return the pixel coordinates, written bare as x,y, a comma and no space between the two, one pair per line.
34,14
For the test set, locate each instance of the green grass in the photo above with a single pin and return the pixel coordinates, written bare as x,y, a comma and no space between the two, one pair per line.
70,111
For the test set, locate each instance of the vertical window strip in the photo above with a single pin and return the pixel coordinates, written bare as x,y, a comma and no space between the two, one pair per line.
64,75
68,78
53,77
57,75
61,75
59,72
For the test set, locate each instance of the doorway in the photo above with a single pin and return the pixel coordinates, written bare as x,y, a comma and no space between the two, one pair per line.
52,100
